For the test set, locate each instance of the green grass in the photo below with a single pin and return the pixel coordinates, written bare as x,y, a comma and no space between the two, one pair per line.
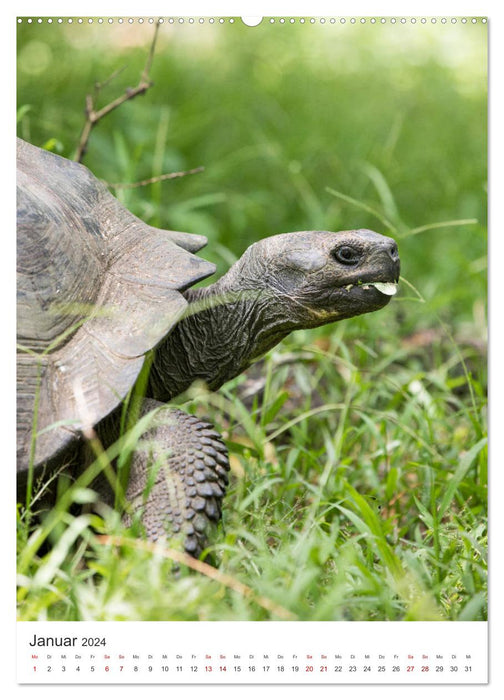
359,469
361,500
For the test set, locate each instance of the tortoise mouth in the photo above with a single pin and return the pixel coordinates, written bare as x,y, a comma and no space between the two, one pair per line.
386,288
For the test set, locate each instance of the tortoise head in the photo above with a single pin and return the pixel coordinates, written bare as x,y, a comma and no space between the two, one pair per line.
319,277
280,284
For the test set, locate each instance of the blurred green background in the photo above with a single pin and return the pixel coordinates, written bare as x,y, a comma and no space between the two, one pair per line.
283,116
302,126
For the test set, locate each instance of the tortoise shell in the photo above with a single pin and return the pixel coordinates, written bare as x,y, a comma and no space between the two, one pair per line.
97,288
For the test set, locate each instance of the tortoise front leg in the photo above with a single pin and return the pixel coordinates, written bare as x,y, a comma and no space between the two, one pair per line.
178,477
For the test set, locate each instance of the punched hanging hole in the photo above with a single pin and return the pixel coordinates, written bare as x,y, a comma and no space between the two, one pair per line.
251,21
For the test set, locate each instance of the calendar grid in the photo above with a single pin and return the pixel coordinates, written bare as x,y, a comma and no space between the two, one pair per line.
234,652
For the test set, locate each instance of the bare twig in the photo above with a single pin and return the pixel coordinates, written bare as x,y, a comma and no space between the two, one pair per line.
100,86
93,116
151,180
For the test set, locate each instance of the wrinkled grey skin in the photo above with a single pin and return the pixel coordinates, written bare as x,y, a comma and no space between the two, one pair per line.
280,284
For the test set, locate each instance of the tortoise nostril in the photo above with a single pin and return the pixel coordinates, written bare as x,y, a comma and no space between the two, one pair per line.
393,252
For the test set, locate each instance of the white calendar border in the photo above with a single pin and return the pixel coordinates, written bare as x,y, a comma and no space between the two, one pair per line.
259,9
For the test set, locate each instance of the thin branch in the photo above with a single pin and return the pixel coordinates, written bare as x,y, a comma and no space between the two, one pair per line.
151,180
150,57
100,86
93,116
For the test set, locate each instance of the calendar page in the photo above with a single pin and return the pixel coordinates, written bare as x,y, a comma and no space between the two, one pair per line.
252,342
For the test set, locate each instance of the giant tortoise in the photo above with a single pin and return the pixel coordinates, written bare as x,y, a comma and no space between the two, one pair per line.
101,295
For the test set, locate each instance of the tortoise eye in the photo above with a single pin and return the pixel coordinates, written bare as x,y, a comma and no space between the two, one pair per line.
346,255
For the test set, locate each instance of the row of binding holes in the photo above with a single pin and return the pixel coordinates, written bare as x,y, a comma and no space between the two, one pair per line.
121,20
272,20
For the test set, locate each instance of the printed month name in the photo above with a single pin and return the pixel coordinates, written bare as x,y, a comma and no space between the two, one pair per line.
66,641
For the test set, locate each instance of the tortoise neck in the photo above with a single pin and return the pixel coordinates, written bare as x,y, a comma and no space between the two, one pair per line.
224,330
